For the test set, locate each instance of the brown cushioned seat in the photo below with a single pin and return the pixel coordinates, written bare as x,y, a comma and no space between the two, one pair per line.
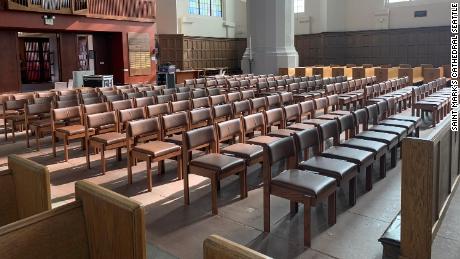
301,126
353,155
335,168
307,182
340,112
262,140
390,139
176,139
315,121
401,132
245,151
217,162
11,112
41,123
408,125
72,129
416,120
157,148
109,138
281,133
369,145
16,118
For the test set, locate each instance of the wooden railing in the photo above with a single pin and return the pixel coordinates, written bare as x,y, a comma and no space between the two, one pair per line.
137,10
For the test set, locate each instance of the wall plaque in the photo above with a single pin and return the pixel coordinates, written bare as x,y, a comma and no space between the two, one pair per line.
139,54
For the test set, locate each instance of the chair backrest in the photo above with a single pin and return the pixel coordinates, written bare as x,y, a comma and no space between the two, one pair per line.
158,109
42,110
65,104
361,118
66,114
329,130
306,139
163,98
224,111
140,128
287,98
199,93
321,103
281,149
217,99
174,123
241,108
258,104
254,122
128,115
25,190
234,97
168,91
182,96
95,108
107,121
180,106
200,117
229,130
248,94
373,114
213,91
307,108
347,123
291,113
274,117
144,101
202,102
200,137
113,98
121,105
15,104
273,101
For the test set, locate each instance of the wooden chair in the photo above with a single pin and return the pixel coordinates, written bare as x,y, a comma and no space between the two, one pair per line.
144,101
127,115
173,125
202,102
151,151
25,190
222,112
37,119
295,185
199,118
105,137
179,106
158,109
213,165
99,224
67,124
13,111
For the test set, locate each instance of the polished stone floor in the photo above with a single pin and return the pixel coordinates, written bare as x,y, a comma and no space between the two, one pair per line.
177,231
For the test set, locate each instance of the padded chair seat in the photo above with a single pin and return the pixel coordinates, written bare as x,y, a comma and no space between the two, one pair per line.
390,139
281,133
15,118
369,145
328,116
157,148
408,125
353,155
217,162
416,120
245,151
41,123
176,139
340,112
335,168
315,121
348,97
72,129
307,182
11,112
401,132
109,138
301,126
262,140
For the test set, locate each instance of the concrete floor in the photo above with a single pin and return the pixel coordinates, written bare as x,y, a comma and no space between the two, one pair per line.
177,231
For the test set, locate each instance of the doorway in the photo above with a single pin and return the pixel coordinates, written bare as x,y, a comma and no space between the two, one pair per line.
37,60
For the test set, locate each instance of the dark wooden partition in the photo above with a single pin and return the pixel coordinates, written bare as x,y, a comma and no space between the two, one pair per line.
430,170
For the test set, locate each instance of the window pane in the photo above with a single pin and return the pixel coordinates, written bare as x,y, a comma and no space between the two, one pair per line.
396,1
299,6
193,7
216,8
205,7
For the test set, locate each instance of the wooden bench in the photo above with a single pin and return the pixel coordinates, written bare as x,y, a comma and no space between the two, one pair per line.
99,224
430,173
216,247
358,72
414,74
385,74
431,74
303,71
337,71
24,190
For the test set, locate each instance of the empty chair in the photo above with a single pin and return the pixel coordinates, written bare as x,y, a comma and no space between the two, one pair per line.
217,99
37,119
173,125
158,109
180,106
181,96
143,101
199,93
127,115
202,102
234,97
241,108
105,137
121,105
296,185
199,118
168,91
200,83
163,98
212,165
213,91
13,117
258,104
248,94
273,101
151,151
95,108
222,112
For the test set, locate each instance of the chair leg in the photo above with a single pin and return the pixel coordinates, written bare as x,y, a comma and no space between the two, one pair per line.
161,167
119,154
186,187
103,164
369,178
53,143
352,186
214,182
266,209
149,174
66,150
130,168
306,224
243,185
294,206
27,137
88,162
13,129
331,209
393,156
37,139
383,166
5,125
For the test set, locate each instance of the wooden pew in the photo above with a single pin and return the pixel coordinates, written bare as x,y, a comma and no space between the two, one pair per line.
216,247
430,173
414,74
99,224
337,71
431,74
303,71
290,71
24,190
385,74
358,72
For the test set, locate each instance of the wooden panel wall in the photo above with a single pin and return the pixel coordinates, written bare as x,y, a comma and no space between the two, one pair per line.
413,46
68,58
10,64
198,52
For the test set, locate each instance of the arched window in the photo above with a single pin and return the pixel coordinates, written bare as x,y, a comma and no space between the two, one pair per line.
205,7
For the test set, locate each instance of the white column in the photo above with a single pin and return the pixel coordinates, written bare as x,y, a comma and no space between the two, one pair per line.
271,33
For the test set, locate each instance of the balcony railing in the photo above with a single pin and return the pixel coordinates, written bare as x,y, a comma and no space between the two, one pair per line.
139,10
